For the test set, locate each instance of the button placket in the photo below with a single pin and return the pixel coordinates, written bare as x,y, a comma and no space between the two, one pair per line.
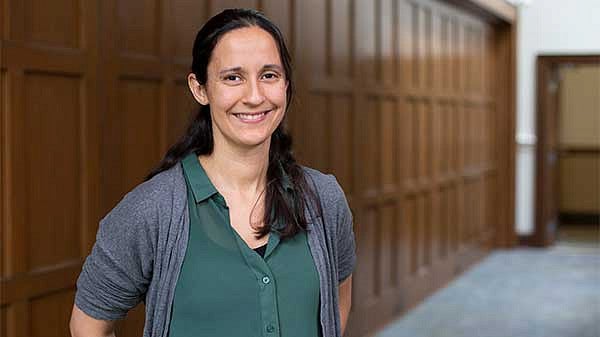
267,288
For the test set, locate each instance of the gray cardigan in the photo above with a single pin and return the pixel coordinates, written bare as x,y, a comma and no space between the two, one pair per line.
141,243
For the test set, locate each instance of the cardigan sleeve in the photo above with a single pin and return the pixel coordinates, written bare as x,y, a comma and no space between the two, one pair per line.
346,246
116,274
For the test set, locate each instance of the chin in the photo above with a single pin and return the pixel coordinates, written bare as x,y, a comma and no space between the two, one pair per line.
254,141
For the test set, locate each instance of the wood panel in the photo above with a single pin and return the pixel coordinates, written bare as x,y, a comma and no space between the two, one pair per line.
49,159
407,102
50,148
3,143
425,164
139,77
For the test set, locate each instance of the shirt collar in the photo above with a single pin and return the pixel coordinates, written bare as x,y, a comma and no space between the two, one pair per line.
202,187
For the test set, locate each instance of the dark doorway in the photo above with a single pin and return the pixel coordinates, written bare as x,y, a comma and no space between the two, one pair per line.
550,151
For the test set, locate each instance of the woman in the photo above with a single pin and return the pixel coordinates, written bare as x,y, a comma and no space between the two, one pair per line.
228,236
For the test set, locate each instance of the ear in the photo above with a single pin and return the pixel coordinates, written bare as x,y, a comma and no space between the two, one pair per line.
198,90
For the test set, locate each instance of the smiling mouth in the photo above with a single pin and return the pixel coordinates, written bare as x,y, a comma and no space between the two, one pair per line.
251,116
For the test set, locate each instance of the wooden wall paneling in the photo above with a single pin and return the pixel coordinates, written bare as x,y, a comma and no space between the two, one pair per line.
282,13
364,276
61,16
182,109
372,155
312,65
317,123
454,221
342,150
404,44
217,6
3,327
406,166
48,76
342,39
136,94
50,159
3,142
386,18
361,59
139,79
455,51
90,131
182,24
425,154
51,314
411,163
15,22
415,54
3,21
425,45
436,134
15,312
460,164
388,133
369,273
186,18
444,51
404,101
365,42
3,180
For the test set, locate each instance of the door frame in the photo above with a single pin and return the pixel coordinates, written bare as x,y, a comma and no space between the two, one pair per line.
546,65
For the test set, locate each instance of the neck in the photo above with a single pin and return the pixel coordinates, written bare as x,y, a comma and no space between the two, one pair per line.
238,170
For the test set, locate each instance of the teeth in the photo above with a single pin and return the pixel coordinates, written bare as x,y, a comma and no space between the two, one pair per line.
251,117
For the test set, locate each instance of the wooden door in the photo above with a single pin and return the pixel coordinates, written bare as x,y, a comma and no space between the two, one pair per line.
548,151
548,156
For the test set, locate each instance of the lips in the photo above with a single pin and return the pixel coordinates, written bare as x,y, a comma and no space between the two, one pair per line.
252,116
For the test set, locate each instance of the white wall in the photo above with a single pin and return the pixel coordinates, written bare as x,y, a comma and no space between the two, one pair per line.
544,27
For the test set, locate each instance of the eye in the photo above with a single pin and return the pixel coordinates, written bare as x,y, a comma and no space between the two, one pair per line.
270,76
232,78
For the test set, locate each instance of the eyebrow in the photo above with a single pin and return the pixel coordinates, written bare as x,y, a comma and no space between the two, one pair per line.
265,67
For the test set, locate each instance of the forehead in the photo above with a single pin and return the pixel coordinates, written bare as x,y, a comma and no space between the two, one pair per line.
245,47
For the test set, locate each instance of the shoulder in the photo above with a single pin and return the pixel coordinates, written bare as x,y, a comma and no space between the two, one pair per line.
159,189
161,185
153,198
326,185
331,195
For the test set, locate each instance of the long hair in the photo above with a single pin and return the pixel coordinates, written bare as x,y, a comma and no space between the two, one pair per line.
281,206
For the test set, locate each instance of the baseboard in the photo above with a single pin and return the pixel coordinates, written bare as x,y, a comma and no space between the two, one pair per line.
568,218
528,240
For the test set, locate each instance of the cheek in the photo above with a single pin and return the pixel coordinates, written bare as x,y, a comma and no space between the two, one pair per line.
277,94
224,99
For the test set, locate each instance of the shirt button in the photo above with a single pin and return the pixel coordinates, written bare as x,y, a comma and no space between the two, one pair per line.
270,328
266,280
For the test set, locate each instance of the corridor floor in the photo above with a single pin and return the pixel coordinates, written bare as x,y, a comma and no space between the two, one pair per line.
525,292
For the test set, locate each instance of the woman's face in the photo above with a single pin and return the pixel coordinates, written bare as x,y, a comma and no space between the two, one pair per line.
246,88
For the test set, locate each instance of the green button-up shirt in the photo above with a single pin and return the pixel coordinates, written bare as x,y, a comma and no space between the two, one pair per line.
227,289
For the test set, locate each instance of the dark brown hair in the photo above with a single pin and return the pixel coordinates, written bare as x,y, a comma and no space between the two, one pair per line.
281,206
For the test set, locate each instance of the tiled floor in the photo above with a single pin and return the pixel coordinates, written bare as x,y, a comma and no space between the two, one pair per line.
523,292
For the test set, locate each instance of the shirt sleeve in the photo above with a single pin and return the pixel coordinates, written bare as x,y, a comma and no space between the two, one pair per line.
116,274
346,246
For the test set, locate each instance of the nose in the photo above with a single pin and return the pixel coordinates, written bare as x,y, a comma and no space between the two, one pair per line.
254,94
